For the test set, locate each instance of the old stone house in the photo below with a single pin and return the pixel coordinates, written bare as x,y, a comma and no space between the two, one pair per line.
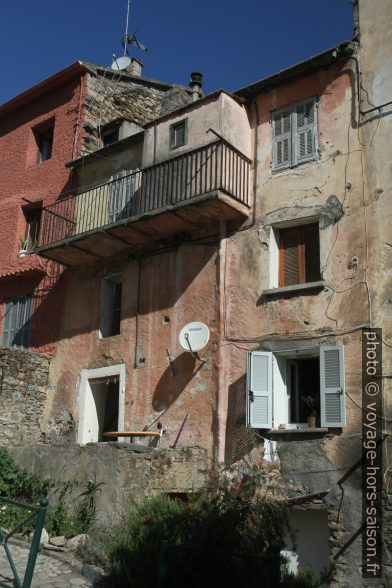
263,214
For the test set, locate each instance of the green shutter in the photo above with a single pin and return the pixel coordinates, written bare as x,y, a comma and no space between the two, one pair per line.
281,131
332,399
259,390
304,124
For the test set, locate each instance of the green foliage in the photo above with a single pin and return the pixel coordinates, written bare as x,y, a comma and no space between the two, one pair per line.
61,521
222,537
17,484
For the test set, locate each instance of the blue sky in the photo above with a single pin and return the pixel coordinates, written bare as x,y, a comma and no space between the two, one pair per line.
232,42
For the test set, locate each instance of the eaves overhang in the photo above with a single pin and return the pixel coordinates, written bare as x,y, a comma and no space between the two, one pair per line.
340,52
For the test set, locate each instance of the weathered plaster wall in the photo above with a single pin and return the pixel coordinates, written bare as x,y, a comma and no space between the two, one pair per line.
128,474
375,130
159,297
219,112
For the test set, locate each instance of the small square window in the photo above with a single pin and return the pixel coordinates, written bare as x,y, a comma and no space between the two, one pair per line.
44,139
299,255
178,134
111,302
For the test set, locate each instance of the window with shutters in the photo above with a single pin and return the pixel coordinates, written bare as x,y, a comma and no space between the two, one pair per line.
294,134
285,388
299,255
17,322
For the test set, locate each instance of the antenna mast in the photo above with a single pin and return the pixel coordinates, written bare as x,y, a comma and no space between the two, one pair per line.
126,28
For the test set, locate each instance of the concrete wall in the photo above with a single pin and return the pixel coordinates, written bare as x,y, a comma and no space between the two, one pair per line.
219,112
128,474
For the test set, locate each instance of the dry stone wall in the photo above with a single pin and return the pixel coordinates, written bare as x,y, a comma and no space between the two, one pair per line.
23,393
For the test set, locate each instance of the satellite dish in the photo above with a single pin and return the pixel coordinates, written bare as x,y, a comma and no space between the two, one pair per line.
121,63
194,336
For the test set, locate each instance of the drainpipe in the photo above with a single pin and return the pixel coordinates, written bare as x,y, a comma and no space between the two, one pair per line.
222,399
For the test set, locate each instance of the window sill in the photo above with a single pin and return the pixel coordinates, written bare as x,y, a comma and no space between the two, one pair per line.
304,431
294,289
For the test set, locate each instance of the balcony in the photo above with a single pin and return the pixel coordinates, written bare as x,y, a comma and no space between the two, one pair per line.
134,212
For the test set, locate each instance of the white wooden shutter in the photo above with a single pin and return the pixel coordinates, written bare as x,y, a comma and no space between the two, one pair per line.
259,390
332,399
281,131
121,193
304,122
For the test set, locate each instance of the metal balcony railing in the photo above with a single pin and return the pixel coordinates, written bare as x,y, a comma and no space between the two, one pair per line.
216,166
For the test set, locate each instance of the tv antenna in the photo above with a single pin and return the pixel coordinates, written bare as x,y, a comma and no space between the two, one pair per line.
128,39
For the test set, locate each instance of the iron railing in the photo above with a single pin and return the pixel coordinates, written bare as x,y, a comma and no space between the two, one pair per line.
216,166
36,515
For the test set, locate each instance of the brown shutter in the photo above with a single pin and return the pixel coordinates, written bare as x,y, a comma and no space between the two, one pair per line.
289,258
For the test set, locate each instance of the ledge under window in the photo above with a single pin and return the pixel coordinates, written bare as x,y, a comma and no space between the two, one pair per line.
294,289
304,431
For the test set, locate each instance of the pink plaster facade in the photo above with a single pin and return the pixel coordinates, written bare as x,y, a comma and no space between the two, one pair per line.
59,102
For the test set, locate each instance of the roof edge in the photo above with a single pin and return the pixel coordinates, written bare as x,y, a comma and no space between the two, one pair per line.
339,52
53,81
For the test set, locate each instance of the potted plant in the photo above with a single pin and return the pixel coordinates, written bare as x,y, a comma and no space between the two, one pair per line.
22,247
312,403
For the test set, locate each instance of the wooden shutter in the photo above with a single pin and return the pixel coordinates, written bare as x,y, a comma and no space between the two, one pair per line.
332,399
304,122
259,390
17,322
281,130
290,261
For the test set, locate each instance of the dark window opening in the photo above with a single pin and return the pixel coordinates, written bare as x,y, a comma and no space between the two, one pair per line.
44,139
178,134
17,322
299,255
110,136
303,388
33,219
111,301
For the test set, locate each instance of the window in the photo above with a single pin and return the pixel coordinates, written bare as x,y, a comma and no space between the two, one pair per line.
280,386
17,322
299,255
294,134
178,134
33,219
44,139
110,134
111,298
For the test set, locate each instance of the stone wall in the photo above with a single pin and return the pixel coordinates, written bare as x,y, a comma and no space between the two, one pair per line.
23,392
129,472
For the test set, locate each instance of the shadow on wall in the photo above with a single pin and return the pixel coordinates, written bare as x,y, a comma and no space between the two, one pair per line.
238,440
170,386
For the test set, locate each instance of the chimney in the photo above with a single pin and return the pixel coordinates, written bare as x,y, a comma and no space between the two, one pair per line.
135,67
196,84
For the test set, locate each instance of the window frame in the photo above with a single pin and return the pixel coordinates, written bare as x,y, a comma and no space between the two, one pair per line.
23,306
40,132
294,159
273,388
173,128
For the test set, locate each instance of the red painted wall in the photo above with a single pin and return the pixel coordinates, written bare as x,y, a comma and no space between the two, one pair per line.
22,177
